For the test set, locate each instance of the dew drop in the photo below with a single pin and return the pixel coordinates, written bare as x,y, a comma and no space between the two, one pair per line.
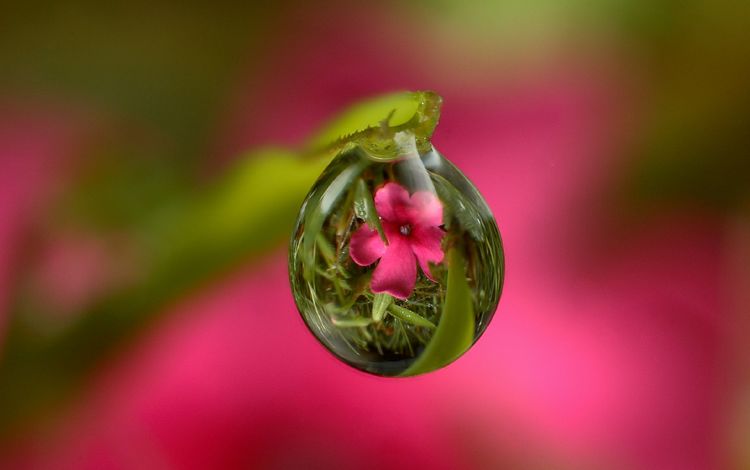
396,266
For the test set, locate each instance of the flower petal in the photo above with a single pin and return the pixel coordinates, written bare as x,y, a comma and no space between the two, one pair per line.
365,246
392,202
396,272
425,242
426,209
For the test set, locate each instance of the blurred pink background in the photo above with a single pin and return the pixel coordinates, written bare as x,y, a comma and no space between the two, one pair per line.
619,339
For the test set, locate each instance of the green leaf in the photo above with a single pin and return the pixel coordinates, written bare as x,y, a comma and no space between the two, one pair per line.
459,207
318,209
379,304
184,244
352,322
326,249
409,317
455,331
395,109
364,208
381,126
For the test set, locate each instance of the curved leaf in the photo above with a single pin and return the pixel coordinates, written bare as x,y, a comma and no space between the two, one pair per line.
393,110
455,331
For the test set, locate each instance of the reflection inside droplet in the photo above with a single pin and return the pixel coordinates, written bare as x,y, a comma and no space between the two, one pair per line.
396,266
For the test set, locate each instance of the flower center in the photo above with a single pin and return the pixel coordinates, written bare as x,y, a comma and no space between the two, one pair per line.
405,229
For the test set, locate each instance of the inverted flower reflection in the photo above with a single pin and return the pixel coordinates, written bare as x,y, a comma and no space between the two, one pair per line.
412,228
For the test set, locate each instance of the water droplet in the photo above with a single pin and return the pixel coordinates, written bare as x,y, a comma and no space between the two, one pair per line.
396,265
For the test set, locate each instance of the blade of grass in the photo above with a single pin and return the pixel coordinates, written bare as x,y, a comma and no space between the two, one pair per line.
379,304
351,323
364,207
408,316
455,331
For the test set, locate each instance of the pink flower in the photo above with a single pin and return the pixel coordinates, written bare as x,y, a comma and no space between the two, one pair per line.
412,228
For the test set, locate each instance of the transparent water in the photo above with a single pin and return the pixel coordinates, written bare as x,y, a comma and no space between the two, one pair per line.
418,324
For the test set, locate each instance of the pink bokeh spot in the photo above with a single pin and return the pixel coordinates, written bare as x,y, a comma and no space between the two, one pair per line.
412,228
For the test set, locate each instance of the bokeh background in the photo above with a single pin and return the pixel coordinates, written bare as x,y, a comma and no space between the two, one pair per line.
152,163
